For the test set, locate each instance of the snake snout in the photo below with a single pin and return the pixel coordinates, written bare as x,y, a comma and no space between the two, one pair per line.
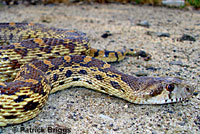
177,90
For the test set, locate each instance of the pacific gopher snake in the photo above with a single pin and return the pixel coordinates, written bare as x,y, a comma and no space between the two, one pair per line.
53,59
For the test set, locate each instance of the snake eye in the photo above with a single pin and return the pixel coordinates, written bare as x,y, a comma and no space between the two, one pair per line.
170,87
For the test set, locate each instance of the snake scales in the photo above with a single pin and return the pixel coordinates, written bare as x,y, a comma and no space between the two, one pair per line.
36,60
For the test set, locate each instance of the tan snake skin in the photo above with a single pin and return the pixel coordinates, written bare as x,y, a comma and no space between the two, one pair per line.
36,61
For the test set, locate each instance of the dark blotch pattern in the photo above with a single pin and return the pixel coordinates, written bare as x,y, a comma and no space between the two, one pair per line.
41,65
15,64
55,77
112,75
7,47
31,105
10,117
61,69
89,82
39,55
21,98
71,46
29,44
76,79
96,53
68,73
13,87
48,73
38,88
102,88
46,49
115,84
157,91
96,63
122,90
5,58
77,59
130,80
54,68
22,52
99,77
57,53
83,72
57,61
61,83
75,66
106,53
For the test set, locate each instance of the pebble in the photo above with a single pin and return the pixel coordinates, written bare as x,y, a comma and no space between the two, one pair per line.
197,121
46,19
180,114
182,123
187,37
106,34
105,117
151,68
195,93
158,34
180,63
144,24
141,73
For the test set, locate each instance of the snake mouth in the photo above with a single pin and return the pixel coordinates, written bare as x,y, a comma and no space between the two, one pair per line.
176,90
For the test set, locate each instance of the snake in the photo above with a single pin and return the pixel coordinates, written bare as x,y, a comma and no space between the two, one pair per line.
36,60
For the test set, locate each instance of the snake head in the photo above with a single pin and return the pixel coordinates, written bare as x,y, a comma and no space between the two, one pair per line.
166,90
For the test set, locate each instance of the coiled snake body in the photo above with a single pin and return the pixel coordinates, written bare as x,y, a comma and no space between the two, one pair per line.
36,60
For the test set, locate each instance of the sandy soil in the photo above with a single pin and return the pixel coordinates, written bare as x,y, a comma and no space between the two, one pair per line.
85,111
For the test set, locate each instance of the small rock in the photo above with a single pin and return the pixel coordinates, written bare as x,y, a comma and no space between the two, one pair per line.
46,19
105,117
180,114
105,35
171,112
187,37
182,123
116,129
151,68
141,73
144,24
154,132
159,34
195,93
180,63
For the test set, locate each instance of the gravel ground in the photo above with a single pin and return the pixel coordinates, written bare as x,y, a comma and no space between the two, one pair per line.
80,110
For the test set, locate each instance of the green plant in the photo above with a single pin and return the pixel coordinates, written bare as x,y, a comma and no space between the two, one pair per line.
195,3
